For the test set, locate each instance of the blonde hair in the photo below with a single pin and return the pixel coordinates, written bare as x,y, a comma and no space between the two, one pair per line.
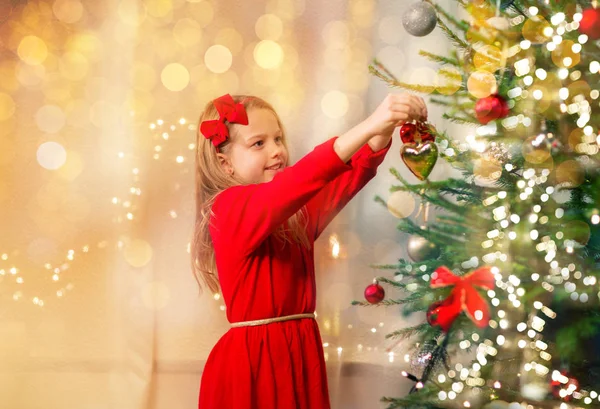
211,179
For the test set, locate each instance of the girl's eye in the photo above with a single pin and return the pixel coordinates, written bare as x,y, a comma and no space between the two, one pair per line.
258,143
279,139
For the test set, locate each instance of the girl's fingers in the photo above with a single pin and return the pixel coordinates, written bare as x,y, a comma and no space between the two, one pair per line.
418,101
415,105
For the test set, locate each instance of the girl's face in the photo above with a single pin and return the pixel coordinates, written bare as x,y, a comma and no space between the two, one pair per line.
257,152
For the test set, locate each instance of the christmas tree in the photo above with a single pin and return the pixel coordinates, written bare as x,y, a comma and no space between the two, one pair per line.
507,270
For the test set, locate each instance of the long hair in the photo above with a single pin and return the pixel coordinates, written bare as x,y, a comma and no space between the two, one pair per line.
211,179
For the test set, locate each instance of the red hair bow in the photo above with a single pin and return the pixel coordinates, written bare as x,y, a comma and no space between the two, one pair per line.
464,296
229,111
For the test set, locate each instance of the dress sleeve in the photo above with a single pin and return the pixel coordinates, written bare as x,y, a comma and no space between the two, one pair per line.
324,206
245,215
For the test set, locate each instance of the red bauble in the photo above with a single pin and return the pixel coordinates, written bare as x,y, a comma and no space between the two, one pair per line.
590,23
491,108
426,131
420,132
374,293
568,388
432,313
408,132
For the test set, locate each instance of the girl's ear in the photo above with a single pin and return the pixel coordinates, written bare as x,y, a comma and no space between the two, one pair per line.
225,163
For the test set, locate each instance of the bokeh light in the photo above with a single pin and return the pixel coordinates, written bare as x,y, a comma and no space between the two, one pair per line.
449,80
570,173
336,34
564,56
334,104
137,252
269,27
401,204
175,77
482,84
536,149
50,118
74,66
68,11
268,54
488,169
51,155
159,8
533,29
132,13
577,230
218,58
30,75
489,58
87,44
32,50
201,12
187,32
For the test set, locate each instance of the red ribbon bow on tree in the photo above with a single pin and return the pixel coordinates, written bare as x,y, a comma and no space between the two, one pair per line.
464,296
229,111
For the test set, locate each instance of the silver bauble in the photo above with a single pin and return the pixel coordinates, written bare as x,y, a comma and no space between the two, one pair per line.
419,19
419,249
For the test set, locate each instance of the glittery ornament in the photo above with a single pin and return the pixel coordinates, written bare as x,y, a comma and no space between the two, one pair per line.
420,359
419,19
419,249
374,293
590,23
491,108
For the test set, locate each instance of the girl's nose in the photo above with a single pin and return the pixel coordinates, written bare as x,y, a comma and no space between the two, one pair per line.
277,150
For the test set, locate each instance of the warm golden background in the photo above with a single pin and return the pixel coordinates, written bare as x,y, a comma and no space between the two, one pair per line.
98,108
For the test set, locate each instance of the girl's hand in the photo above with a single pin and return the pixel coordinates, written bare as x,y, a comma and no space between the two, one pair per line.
394,111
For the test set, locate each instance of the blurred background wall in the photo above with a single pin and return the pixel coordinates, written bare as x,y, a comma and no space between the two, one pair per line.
99,103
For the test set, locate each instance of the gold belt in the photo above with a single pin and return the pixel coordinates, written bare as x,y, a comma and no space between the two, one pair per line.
271,320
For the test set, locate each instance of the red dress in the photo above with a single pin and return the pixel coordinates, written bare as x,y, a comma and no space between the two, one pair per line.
279,365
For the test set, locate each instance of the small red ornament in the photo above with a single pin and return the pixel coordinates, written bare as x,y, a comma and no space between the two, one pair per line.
426,131
563,385
408,132
491,108
420,132
433,312
374,293
590,23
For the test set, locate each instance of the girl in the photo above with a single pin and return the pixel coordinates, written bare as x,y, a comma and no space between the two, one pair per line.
257,221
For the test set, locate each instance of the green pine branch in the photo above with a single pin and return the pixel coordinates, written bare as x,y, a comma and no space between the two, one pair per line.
463,120
455,39
422,330
460,24
439,58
